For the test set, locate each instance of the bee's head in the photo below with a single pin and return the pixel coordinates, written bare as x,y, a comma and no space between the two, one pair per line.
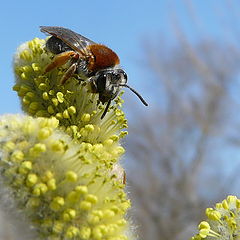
108,83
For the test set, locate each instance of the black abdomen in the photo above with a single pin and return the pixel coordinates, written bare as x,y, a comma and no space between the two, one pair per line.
56,45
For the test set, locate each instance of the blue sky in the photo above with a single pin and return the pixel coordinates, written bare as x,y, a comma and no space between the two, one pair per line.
122,25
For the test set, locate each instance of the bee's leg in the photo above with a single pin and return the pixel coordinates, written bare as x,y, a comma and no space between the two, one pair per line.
71,70
93,84
80,79
60,59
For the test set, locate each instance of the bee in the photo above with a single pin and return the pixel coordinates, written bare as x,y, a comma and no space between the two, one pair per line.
91,61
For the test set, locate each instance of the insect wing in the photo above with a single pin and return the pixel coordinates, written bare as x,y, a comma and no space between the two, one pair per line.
85,41
74,40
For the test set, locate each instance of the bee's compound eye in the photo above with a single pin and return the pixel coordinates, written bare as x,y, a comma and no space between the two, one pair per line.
125,75
101,82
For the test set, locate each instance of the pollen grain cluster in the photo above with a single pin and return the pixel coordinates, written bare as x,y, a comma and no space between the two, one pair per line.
63,187
59,164
73,104
223,221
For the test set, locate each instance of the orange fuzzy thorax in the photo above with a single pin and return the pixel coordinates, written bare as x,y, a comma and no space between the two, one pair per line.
103,57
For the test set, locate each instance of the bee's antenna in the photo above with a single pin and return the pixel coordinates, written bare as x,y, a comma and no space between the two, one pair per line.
105,110
134,91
